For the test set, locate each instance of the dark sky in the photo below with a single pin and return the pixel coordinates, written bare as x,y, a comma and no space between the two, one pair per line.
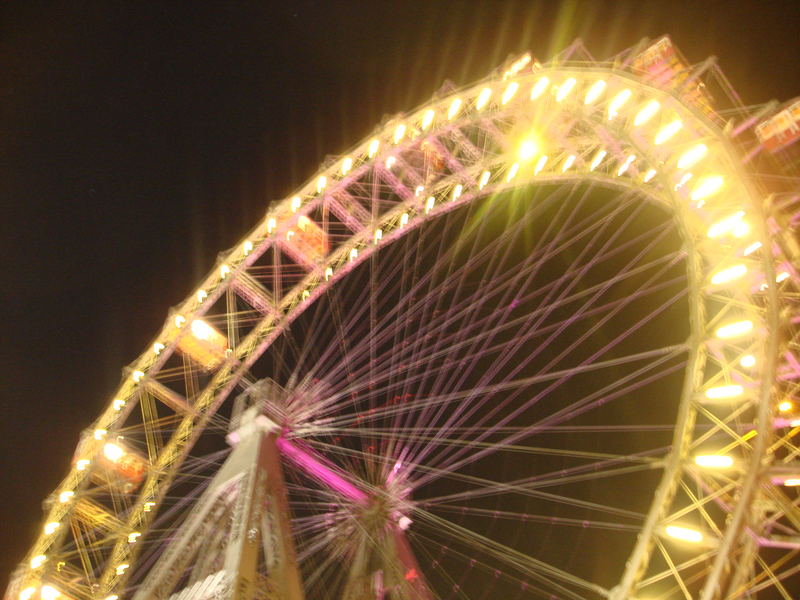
139,139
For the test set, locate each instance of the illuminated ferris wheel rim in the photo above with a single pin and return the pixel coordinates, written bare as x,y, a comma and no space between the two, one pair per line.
614,168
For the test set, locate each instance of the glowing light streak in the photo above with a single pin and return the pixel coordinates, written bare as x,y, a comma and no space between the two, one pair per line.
598,87
38,561
684,534
137,376
540,164
148,506
305,460
624,167
618,102
429,204
598,157
539,87
647,112
271,224
372,150
403,219
99,434
512,172
509,92
692,156
724,391
714,461
427,119
122,568
113,452
748,361
455,108
51,527
390,162
65,496
27,593
224,271
347,164
707,186
668,131
201,330
782,276
133,536
247,247
483,98
728,274
683,181
117,404
322,181
528,149
565,88
751,248
378,235
568,163
353,254
48,592
457,190
793,482
649,175
726,225
785,406
418,190
734,330
483,180
399,133
328,273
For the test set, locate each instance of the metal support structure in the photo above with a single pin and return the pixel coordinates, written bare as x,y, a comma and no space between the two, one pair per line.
248,498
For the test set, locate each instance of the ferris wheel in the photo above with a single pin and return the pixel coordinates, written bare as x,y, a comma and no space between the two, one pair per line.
533,339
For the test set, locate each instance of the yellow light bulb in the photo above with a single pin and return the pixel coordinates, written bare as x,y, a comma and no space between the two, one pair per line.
692,156
713,461
528,149
724,391
113,452
347,164
455,108
427,119
707,186
399,133
726,225
647,112
729,274
373,148
594,92
598,157
684,534
509,92
668,131
539,87
512,172
733,330
565,88
483,98
540,164
748,361
618,102
568,163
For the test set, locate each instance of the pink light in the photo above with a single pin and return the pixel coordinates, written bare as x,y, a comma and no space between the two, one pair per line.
305,459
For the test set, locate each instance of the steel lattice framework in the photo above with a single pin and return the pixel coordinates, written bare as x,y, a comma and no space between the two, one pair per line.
720,525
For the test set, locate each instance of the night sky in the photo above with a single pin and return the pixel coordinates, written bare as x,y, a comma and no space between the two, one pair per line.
137,140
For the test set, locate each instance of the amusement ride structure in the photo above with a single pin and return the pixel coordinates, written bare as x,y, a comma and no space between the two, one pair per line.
535,339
